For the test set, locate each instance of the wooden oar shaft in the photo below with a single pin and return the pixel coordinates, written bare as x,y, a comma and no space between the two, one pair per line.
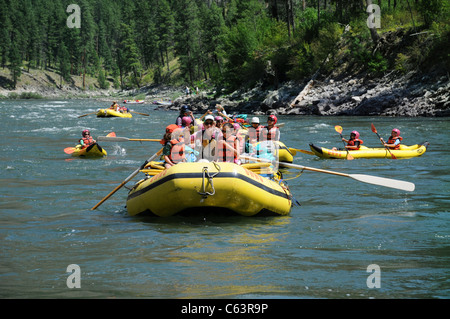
87,114
127,179
145,114
125,139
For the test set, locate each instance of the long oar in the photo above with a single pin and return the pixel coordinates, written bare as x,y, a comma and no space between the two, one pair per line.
125,139
295,150
338,129
375,131
87,114
128,179
145,114
381,181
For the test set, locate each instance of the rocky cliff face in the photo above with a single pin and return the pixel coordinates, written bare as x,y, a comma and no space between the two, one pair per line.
410,95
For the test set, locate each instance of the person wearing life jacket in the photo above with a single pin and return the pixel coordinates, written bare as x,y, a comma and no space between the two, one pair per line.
184,111
228,146
354,143
174,148
86,140
114,106
394,140
205,140
270,132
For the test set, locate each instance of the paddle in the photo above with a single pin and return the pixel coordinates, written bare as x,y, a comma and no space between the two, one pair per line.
125,139
381,181
339,130
139,113
375,131
128,179
87,114
70,150
295,150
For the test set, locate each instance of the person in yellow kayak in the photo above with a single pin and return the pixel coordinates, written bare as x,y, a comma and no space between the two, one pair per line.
86,140
394,140
354,143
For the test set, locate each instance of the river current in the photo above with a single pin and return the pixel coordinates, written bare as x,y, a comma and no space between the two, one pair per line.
348,239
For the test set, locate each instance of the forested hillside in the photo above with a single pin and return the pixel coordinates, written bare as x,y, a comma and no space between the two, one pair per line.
226,43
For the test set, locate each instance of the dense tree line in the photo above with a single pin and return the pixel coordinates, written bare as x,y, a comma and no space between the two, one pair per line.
229,42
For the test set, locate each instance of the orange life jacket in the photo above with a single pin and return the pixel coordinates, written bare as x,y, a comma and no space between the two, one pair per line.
352,143
392,140
87,141
224,153
177,153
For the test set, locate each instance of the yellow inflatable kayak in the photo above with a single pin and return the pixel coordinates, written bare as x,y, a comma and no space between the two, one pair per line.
112,113
93,150
366,152
209,187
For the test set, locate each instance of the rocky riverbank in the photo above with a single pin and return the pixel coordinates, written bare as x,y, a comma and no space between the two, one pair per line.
409,95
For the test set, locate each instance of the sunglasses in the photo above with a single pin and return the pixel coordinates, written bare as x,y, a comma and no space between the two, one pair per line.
208,123
270,120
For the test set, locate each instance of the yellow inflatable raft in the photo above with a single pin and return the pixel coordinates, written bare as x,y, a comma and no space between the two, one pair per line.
112,113
93,150
366,152
210,187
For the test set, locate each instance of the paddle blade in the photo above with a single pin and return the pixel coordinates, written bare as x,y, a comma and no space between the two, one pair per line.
69,150
386,182
349,157
338,129
373,128
112,134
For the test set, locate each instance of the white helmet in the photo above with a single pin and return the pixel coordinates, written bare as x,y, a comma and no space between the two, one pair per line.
255,120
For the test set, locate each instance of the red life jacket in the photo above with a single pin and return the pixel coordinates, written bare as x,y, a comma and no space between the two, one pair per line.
224,153
392,140
269,134
253,134
352,143
177,153
87,141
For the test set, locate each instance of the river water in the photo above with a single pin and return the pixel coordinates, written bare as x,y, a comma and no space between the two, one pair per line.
323,249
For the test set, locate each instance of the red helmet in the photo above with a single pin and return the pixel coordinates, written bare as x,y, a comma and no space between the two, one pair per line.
85,132
274,118
396,130
170,128
356,134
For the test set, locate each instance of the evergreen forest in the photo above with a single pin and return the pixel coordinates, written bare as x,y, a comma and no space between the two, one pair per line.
221,43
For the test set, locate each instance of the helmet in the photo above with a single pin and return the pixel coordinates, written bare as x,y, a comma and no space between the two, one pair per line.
184,108
218,118
274,118
186,121
356,133
209,117
396,130
85,132
255,120
170,128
